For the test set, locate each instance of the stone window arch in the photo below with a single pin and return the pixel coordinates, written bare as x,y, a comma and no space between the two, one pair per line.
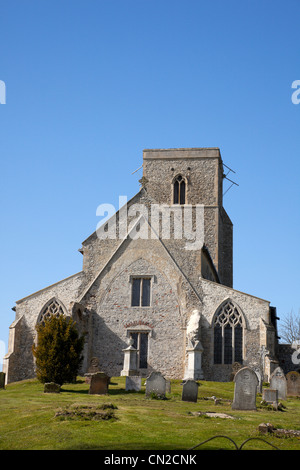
179,190
228,328
52,307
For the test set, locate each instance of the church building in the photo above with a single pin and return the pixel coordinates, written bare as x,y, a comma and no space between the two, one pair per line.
157,284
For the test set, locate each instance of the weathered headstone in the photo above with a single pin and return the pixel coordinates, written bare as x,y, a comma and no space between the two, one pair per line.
245,389
133,383
260,381
190,390
2,379
156,385
99,384
51,387
270,395
93,368
278,382
293,384
94,365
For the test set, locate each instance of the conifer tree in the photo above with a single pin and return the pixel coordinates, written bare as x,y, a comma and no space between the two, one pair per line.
58,350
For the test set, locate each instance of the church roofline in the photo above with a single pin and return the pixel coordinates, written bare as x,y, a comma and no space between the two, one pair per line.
235,290
48,287
114,215
119,247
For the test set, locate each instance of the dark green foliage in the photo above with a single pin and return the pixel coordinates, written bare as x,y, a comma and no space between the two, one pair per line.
58,350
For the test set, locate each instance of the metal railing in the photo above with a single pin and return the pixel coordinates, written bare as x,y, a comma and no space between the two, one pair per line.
236,446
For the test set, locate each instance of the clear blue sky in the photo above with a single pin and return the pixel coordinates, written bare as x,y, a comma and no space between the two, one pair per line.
91,83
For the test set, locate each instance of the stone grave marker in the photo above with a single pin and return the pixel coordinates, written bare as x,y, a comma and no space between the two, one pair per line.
270,395
293,384
190,390
2,380
93,368
260,382
51,387
156,384
99,383
245,388
133,382
278,382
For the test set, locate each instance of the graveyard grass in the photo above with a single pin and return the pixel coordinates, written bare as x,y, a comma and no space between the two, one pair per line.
29,420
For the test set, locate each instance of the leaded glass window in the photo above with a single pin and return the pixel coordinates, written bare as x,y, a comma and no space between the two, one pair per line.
228,335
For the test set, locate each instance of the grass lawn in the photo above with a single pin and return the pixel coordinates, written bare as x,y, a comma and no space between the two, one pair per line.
29,420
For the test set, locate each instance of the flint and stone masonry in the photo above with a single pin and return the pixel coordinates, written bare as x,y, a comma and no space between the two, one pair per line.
164,298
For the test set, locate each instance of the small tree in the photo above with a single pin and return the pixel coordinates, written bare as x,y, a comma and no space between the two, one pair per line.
58,350
290,328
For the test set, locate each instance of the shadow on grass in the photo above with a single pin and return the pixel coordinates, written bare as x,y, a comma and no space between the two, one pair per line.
112,392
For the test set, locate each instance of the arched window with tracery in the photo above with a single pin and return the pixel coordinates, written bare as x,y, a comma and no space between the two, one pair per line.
179,190
228,327
53,307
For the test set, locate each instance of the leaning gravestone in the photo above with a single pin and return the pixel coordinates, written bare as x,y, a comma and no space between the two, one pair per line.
245,389
99,384
156,385
278,382
190,390
293,384
133,382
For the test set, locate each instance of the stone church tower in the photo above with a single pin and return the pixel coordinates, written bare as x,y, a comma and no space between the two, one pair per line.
159,273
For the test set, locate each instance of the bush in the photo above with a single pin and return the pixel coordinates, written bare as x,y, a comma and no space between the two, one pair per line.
58,350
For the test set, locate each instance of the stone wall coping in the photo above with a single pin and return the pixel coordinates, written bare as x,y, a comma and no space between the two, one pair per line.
232,289
48,287
178,153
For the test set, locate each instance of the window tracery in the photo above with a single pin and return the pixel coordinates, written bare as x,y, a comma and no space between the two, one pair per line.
179,190
52,308
228,334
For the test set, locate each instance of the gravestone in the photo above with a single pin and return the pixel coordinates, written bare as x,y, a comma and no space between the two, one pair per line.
2,380
245,388
189,390
93,368
278,382
270,395
293,384
51,387
156,384
260,381
133,382
99,383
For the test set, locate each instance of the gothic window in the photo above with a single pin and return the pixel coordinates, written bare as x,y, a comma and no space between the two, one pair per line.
228,335
179,190
51,308
140,342
141,292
